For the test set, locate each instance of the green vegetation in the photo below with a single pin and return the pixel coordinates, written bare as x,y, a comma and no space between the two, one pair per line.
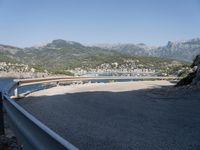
5,58
61,72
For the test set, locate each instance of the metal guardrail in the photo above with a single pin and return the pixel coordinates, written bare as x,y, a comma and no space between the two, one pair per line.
46,80
1,116
33,134
57,80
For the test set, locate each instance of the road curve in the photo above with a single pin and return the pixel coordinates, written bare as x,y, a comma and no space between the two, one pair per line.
111,116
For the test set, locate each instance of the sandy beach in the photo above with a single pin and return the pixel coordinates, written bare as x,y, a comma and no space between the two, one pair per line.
127,115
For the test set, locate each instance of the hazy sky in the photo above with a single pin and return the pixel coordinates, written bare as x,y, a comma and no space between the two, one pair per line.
154,22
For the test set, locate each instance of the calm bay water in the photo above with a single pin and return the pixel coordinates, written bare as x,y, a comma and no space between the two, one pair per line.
5,82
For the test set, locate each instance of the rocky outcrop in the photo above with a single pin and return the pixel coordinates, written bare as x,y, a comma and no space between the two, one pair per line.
196,66
193,78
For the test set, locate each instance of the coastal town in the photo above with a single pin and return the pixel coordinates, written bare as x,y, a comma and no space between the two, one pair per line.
131,68
126,68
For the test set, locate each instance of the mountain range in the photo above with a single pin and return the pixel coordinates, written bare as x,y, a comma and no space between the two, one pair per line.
180,50
64,55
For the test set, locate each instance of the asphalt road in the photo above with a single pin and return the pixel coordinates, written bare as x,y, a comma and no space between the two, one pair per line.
142,120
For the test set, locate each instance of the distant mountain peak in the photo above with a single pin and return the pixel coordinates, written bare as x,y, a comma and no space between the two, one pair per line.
141,44
169,44
60,43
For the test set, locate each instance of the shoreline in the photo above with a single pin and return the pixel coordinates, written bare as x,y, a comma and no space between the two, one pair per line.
93,87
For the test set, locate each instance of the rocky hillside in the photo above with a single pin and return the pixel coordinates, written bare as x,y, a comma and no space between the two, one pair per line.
196,68
66,55
133,49
185,50
181,50
193,78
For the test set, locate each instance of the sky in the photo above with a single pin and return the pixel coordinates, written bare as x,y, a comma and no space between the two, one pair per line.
25,23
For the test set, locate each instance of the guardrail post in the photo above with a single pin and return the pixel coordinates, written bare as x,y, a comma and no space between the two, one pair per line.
57,83
16,94
2,132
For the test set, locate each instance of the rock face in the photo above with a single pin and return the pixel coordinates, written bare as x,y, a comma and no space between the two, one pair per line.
192,78
180,50
196,65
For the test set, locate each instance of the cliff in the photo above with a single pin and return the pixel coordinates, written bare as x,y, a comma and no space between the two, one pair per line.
193,78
